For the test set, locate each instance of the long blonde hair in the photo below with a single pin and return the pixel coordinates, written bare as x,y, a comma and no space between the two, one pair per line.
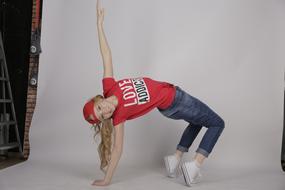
105,128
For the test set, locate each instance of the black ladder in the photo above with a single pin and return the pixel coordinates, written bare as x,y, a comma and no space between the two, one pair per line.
7,112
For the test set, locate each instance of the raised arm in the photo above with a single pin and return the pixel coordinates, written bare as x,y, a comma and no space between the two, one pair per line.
104,48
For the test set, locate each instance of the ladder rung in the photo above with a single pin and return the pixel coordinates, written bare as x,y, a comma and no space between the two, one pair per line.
9,146
3,123
5,101
3,79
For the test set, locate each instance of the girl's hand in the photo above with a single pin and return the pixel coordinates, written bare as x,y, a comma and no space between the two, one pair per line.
100,182
100,13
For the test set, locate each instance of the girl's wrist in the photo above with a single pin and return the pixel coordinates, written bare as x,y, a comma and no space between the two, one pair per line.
107,181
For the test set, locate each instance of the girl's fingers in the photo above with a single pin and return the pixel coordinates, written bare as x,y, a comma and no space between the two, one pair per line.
98,6
98,3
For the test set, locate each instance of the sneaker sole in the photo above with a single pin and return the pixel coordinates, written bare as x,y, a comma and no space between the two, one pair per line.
186,175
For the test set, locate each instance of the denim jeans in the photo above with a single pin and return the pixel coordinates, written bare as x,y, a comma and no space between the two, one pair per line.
197,114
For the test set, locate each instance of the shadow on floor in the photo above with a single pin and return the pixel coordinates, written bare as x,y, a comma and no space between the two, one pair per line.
10,159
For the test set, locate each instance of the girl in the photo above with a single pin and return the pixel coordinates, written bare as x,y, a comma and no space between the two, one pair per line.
133,97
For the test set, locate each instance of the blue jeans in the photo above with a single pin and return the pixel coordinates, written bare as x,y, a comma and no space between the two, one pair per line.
197,114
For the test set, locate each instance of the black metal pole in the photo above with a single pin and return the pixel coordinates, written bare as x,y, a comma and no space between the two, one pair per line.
283,138
3,15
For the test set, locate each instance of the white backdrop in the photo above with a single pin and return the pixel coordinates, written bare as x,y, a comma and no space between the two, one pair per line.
228,53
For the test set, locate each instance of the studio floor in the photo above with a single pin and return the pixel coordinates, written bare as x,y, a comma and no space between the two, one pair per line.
46,175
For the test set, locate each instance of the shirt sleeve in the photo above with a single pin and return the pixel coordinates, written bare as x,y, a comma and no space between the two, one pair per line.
117,121
108,83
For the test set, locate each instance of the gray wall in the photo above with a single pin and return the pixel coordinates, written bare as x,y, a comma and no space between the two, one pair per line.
228,53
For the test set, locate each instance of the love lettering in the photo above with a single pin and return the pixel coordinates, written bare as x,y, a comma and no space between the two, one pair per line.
134,91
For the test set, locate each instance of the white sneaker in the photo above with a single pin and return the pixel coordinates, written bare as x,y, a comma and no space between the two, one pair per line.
191,172
172,165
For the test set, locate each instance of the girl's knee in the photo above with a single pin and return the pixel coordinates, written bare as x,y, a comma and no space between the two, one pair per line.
221,123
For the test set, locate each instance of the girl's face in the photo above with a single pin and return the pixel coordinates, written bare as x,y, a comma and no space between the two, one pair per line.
103,109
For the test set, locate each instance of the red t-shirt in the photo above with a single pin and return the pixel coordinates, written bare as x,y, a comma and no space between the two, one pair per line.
137,96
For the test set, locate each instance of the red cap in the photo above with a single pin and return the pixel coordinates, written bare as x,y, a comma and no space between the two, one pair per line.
89,109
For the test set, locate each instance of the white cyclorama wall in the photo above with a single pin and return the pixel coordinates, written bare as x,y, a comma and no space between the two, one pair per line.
227,53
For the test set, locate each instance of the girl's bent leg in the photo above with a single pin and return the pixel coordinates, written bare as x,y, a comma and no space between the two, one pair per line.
198,114
215,128
188,136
